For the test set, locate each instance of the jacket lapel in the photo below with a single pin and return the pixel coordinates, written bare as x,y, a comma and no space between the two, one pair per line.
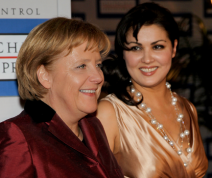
89,136
60,130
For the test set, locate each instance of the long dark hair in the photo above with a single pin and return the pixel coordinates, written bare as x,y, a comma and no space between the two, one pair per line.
114,68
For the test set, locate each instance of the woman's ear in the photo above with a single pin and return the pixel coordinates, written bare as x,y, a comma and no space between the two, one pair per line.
44,77
174,48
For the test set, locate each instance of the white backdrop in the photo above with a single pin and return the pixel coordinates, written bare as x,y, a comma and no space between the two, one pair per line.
17,18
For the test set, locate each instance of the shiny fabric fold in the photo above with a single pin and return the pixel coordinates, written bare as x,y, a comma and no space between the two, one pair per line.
144,153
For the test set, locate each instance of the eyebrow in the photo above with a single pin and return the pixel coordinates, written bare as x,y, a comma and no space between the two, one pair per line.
157,42
134,42
151,43
87,60
99,60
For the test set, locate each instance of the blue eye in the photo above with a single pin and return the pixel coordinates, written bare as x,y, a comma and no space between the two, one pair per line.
99,65
81,66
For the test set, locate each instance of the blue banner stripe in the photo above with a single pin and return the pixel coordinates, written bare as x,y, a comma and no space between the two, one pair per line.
8,88
14,26
19,25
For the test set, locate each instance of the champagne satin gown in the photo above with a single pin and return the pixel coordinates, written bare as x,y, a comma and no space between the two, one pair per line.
145,154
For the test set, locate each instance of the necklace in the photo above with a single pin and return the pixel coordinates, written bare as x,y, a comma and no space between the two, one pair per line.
159,127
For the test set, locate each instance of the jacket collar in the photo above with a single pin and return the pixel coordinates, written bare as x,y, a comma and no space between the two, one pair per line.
60,130
89,135
41,112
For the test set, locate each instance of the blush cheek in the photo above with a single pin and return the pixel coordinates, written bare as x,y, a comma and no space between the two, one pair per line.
164,59
131,60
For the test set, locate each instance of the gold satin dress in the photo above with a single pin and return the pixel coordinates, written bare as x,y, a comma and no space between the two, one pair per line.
145,154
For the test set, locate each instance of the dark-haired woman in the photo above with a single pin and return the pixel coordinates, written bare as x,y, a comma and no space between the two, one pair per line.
152,131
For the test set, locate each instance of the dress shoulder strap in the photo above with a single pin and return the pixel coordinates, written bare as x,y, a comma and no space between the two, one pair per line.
190,108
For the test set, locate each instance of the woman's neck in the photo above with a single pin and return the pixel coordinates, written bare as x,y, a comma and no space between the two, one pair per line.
69,118
156,95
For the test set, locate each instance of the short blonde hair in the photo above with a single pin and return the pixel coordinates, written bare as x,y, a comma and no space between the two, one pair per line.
46,42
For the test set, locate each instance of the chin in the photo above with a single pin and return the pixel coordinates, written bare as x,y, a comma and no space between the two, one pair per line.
152,83
89,110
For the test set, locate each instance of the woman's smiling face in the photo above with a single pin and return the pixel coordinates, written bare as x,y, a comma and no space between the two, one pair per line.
149,59
75,82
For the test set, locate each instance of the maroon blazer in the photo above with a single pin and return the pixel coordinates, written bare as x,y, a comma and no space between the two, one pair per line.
37,143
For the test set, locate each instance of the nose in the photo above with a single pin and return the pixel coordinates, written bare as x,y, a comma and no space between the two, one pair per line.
147,57
96,76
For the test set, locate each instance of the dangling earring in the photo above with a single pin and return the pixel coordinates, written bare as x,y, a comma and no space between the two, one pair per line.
130,81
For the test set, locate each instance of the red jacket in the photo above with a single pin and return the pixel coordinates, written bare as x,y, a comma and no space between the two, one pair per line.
37,143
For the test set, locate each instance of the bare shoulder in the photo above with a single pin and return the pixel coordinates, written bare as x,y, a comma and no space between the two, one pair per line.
107,115
105,109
